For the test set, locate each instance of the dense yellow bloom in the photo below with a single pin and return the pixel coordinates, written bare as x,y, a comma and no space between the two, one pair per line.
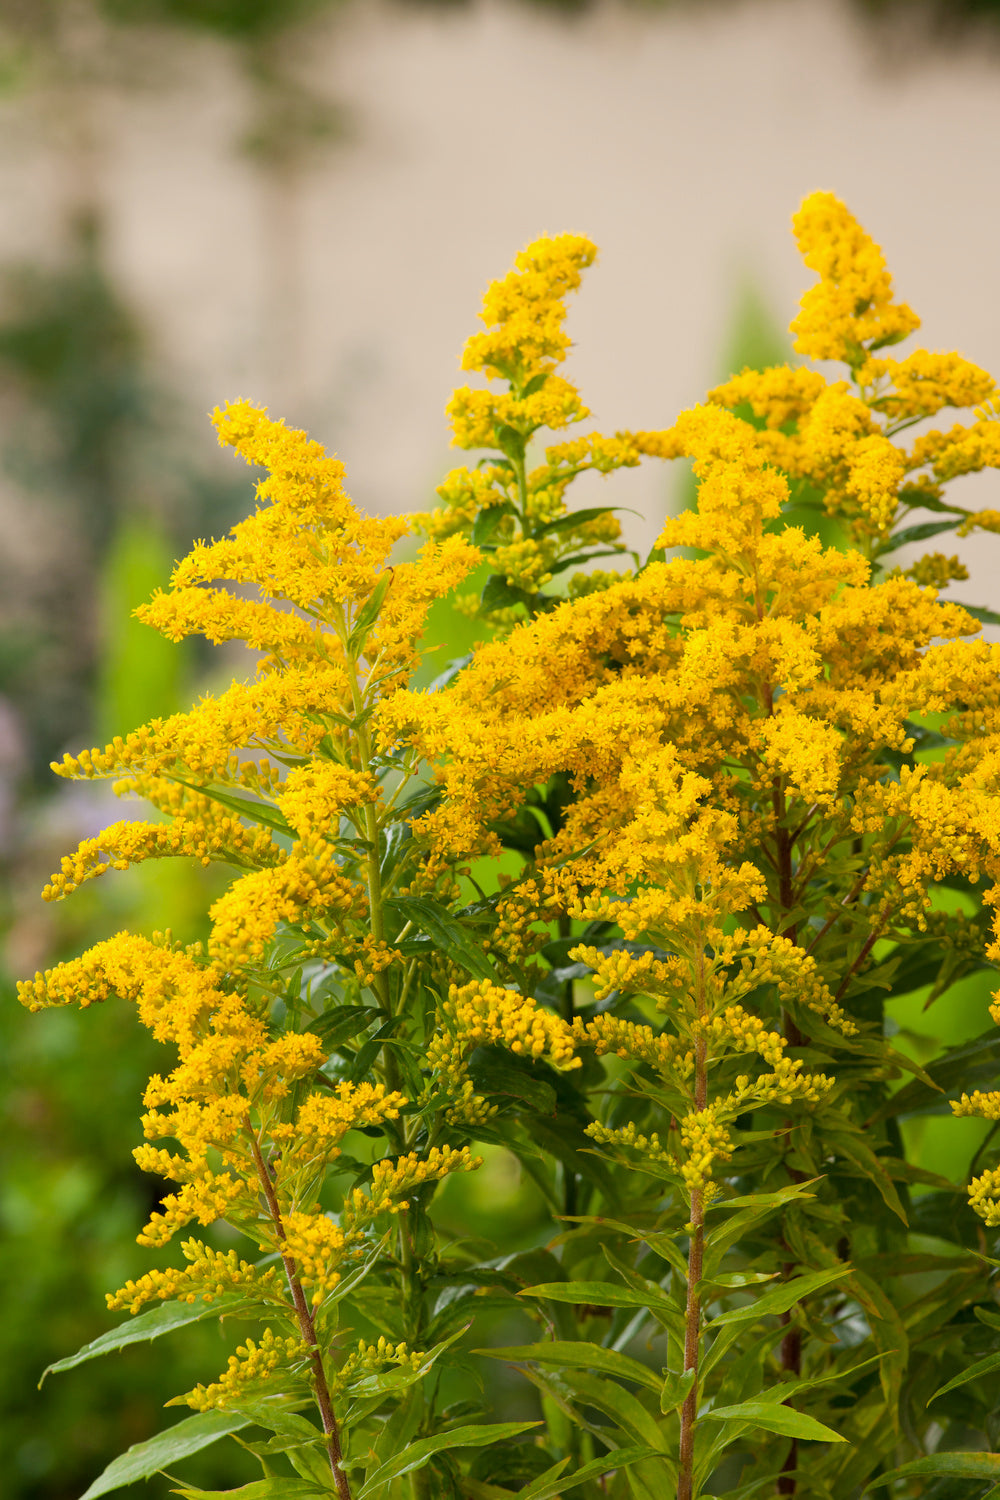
392,1179
852,308
935,570
921,384
214,834
318,1248
779,395
174,993
480,1012
309,883
524,312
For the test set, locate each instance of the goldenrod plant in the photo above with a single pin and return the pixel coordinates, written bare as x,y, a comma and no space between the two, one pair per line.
623,894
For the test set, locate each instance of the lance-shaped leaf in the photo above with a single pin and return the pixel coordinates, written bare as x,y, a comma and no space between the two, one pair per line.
446,933
569,1354
782,1298
416,1455
981,1367
599,1294
254,812
369,613
675,1389
919,533
180,1441
774,1418
151,1325
549,1486
275,1488
984,1467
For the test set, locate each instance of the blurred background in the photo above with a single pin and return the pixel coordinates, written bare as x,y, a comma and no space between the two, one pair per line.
301,202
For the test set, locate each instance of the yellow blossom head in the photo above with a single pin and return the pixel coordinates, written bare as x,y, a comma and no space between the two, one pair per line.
852,309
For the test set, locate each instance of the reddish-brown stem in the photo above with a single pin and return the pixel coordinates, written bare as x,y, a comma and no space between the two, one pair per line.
306,1326
791,1361
867,947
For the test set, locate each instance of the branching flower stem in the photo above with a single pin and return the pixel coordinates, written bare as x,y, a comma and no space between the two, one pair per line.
306,1325
696,1255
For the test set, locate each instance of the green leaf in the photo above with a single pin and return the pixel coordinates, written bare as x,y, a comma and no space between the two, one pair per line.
549,1485
150,1325
572,519
254,812
577,558
774,1418
179,1441
868,1165
497,1072
445,932
369,1051
510,441
915,534
981,1466
342,1022
782,1298
417,1454
580,1356
675,1389
981,1367
630,1414
488,520
967,1067
595,1294
275,1488
978,612
278,1418
369,614
499,594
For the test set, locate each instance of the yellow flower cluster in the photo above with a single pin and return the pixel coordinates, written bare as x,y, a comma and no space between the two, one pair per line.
173,992
247,1372
736,1029
209,1274
935,570
317,1246
704,1141
851,310
214,834
309,884
640,973
314,796
366,1359
323,1119
392,1179
984,1197
524,313
480,1013
610,1033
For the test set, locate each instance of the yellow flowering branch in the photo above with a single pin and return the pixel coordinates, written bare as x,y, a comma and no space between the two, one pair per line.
305,1321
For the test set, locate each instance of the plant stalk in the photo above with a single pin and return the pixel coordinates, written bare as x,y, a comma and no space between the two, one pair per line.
306,1325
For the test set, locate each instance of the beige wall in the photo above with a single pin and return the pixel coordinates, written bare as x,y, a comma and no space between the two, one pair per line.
680,139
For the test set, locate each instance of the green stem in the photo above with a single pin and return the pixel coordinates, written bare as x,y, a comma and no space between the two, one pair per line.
696,1255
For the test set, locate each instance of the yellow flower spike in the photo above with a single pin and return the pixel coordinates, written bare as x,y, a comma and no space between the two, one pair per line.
524,312
852,308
